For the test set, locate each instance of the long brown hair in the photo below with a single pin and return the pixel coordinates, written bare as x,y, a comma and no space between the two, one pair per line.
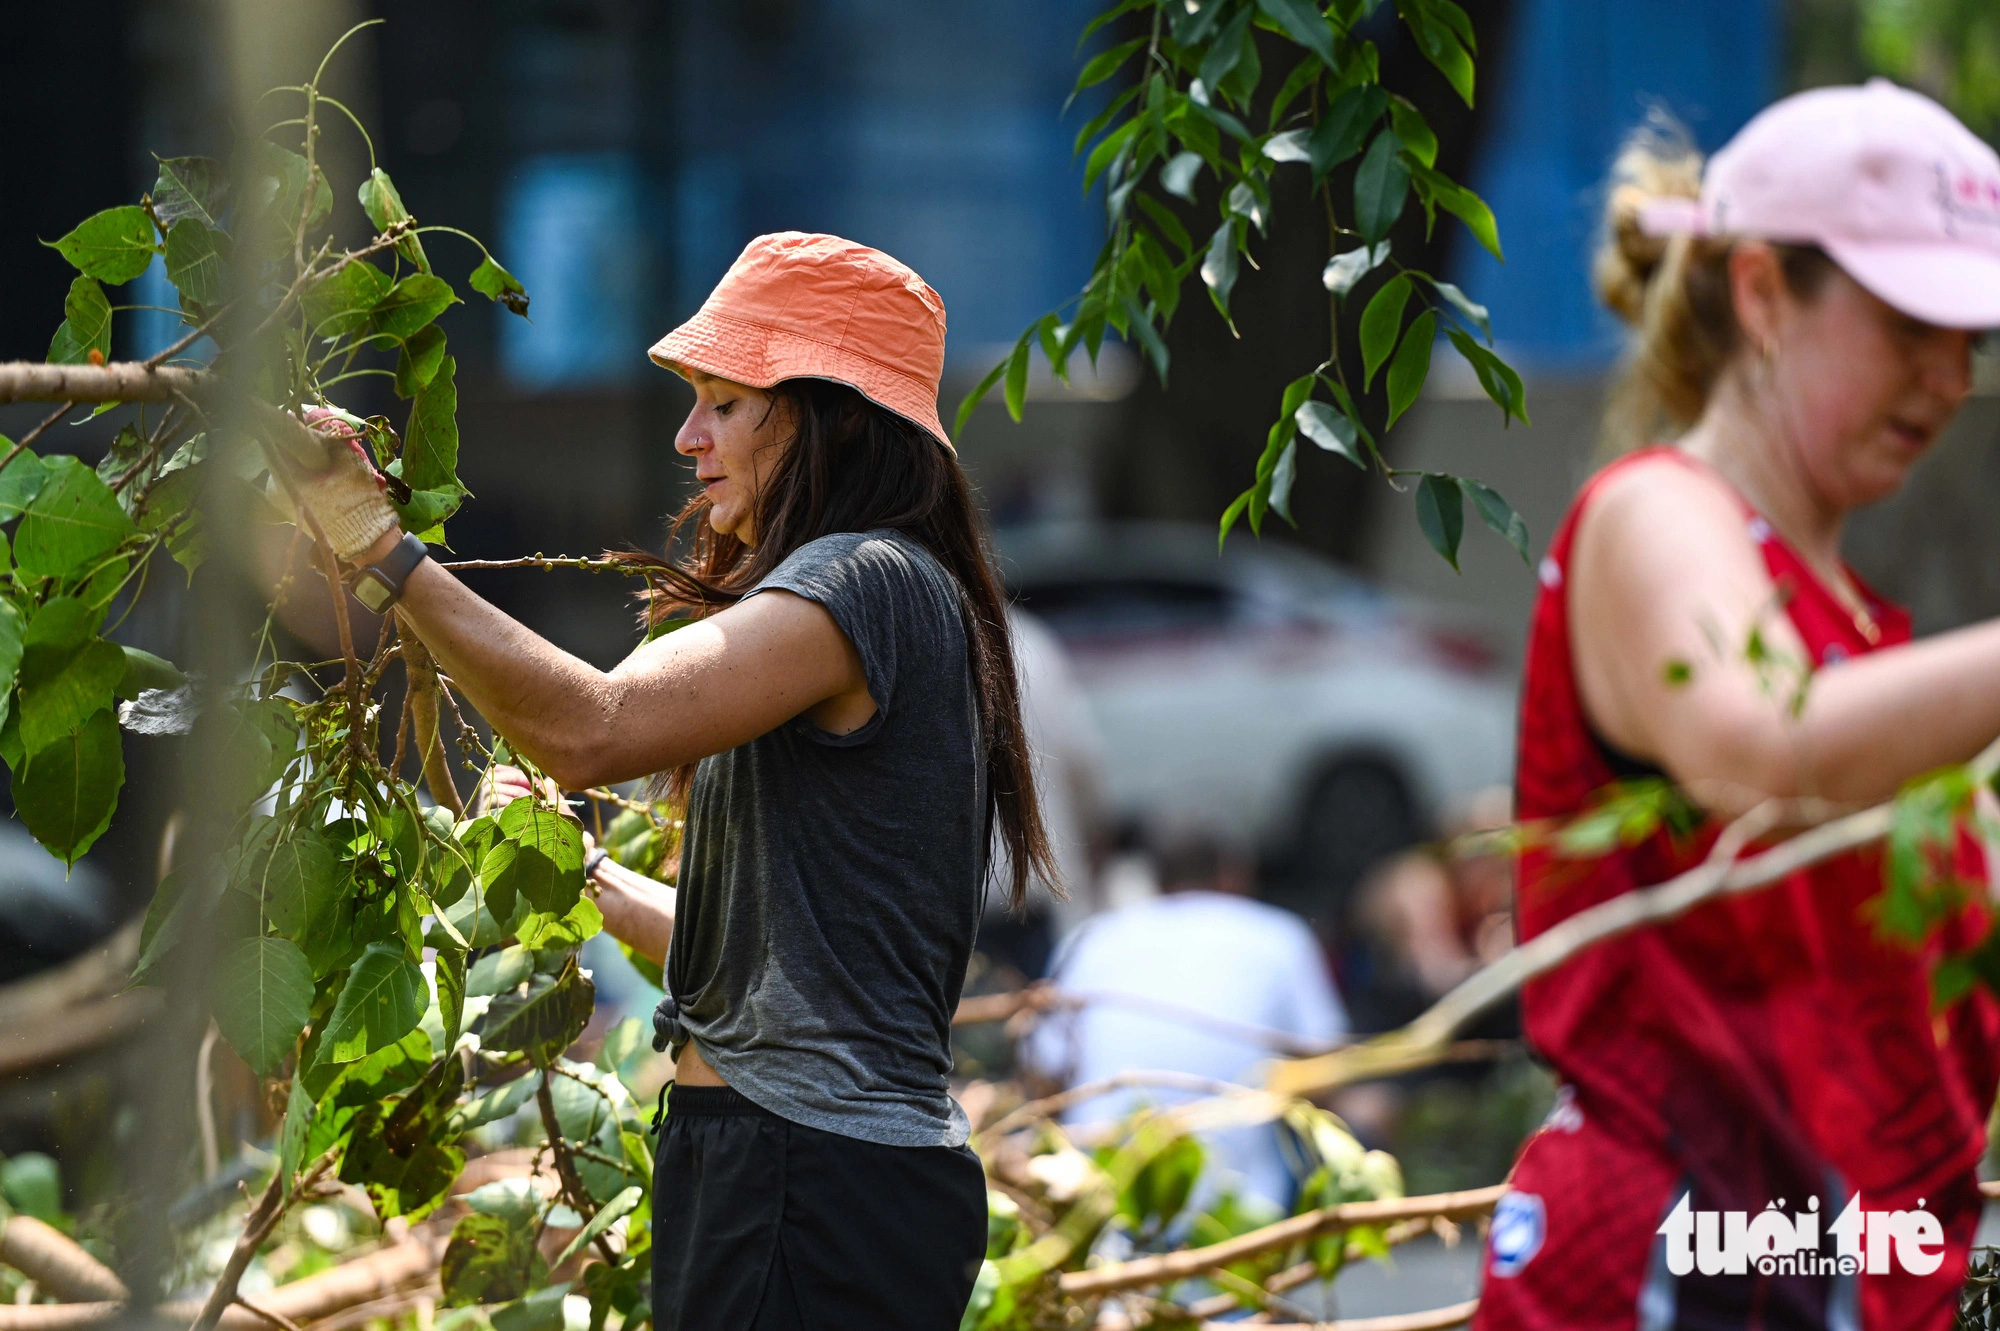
854,466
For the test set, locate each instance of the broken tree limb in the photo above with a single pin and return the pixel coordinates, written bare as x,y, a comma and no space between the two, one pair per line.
57,1263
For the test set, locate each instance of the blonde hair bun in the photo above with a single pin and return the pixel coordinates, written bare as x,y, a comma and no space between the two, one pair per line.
1658,161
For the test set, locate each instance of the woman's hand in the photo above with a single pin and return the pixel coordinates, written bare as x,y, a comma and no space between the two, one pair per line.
348,499
502,785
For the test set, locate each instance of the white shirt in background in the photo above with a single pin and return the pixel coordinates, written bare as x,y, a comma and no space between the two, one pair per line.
1228,957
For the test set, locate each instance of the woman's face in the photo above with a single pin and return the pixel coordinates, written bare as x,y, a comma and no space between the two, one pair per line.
735,434
1861,390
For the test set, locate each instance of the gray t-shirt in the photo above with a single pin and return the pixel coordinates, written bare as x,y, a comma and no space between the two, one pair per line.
830,884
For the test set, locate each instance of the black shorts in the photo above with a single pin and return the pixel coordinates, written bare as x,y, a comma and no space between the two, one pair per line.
761,1224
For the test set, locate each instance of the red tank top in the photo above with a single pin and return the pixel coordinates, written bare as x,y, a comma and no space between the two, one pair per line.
1770,1044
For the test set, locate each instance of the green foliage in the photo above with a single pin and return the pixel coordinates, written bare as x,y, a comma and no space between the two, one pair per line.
1220,98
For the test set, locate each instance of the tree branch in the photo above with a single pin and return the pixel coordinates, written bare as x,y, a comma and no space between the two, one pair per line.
573,1189
1721,874
119,381
263,1218
1165,1268
424,714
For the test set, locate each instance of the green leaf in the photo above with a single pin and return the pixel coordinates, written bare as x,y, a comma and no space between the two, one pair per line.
67,791
1228,49
1282,475
1344,270
55,702
196,187
1463,204
1230,514
1177,177
1344,128
1327,427
492,281
1106,63
20,480
302,881
418,361
1496,376
1501,517
73,520
977,395
449,973
11,634
430,440
1418,138
544,1021
1442,48
539,1311
412,303
397,1155
31,1183
1218,268
113,246
559,842
381,1002
86,325
1380,322
1412,364
546,929
490,1259
1141,323
1381,184
607,1215
1304,24
384,207
143,671
195,259
1474,312
261,997
1441,514
1294,145
343,303
1017,379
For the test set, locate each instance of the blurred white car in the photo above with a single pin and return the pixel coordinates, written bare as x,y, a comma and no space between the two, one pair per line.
1268,693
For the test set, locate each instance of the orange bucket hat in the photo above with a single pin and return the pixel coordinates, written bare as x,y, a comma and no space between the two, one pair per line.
796,305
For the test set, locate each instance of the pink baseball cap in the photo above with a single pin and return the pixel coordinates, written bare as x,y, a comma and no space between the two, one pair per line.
798,305
1901,195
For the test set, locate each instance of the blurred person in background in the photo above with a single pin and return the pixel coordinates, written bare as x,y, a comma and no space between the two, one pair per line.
1424,921
1805,305
1201,980
1069,773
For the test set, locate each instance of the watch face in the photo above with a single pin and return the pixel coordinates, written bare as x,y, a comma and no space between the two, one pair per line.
373,591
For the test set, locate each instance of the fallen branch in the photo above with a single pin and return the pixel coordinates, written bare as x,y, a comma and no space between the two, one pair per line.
1420,1043
1165,1268
57,1263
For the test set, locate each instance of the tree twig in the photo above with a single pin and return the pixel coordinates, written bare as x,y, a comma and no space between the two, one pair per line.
549,561
263,1218
573,1190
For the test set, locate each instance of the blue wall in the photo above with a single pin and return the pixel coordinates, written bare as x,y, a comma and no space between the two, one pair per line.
1579,75
927,130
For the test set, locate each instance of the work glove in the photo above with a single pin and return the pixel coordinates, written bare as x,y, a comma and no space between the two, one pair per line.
347,498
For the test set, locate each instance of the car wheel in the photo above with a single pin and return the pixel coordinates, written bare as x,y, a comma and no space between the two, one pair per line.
1358,813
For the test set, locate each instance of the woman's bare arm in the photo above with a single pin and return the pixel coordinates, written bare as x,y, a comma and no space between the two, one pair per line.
1663,571
699,691
638,911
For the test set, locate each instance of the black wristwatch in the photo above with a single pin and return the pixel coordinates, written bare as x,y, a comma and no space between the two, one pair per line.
380,585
